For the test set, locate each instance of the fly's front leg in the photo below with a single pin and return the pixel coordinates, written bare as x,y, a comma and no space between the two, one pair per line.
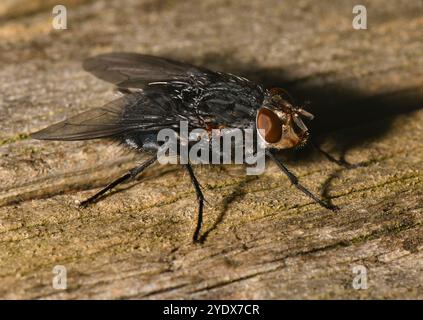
296,183
200,199
131,174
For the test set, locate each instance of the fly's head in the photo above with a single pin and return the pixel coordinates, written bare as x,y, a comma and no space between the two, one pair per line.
279,122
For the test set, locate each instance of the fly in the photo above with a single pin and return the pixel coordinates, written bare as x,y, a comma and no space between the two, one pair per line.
157,93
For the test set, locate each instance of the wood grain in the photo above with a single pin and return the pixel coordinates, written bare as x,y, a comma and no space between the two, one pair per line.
263,239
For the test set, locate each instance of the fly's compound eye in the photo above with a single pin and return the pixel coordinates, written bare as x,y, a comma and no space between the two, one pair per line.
269,122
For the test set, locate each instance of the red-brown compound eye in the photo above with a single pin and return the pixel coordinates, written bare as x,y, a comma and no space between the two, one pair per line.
269,121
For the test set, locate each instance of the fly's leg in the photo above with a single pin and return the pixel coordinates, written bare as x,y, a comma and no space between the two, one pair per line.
130,174
296,183
200,199
340,162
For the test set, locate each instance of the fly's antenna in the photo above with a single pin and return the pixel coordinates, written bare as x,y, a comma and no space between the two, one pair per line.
299,122
306,114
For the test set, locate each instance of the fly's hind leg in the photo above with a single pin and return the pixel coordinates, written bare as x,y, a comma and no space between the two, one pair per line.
130,174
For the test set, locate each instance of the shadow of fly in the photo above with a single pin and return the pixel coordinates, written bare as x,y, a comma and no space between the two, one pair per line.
159,93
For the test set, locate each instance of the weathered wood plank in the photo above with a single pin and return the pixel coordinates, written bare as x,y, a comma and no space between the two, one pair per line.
263,239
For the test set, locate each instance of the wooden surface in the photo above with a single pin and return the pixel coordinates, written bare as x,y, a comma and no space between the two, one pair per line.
263,239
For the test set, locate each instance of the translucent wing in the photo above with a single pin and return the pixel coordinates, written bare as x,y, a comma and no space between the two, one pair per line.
132,70
142,111
171,91
91,124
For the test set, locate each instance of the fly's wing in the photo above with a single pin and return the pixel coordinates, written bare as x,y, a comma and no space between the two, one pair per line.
132,70
141,111
91,124
171,91
221,99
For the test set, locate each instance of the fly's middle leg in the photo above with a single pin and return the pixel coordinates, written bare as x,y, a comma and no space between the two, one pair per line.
200,199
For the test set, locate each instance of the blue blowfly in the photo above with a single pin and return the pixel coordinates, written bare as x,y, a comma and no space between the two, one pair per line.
158,93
